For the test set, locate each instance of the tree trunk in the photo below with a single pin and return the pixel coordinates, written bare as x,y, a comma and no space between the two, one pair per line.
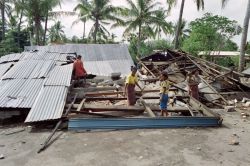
84,24
96,29
19,29
45,28
177,33
37,23
244,38
3,19
139,42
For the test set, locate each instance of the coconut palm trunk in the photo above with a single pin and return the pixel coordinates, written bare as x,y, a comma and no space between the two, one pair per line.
45,27
244,38
177,33
3,18
96,30
139,41
19,28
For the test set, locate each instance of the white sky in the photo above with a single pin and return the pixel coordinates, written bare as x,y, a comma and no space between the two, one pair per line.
235,9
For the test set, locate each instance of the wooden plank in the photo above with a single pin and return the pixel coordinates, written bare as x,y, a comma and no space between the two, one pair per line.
80,106
95,108
115,93
198,106
124,98
94,114
215,91
147,108
46,143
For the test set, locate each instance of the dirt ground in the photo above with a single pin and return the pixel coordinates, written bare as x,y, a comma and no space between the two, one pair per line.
160,147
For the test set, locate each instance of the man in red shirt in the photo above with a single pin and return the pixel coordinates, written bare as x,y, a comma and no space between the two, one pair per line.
78,69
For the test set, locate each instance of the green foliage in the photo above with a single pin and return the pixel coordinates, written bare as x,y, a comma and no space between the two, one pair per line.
56,33
10,43
147,48
100,12
211,33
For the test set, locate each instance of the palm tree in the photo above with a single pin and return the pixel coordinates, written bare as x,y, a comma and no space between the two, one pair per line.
184,32
82,12
48,5
140,16
161,25
200,5
5,8
98,11
56,33
244,38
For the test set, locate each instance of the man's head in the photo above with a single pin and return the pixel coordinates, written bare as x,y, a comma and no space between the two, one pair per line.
79,57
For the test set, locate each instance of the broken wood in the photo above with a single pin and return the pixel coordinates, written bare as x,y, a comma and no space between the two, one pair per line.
95,108
215,91
95,114
198,106
81,104
147,108
46,143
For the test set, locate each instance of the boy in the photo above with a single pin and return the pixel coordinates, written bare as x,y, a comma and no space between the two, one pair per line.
165,85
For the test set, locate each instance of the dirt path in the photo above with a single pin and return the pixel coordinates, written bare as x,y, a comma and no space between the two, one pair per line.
165,147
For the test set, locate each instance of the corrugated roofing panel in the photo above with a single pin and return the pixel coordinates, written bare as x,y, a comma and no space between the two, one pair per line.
89,52
105,68
60,76
29,69
4,67
10,57
49,104
19,93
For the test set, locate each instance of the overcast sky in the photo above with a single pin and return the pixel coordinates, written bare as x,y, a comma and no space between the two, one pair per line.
235,10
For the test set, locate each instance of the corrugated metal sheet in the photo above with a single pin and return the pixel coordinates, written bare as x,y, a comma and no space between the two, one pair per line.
10,57
49,104
90,52
29,69
19,93
99,59
247,71
4,67
60,76
105,68
44,55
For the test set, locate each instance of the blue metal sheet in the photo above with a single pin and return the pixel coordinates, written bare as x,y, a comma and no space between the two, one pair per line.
142,123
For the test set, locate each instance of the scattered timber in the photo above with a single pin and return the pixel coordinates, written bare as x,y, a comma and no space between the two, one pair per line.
46,143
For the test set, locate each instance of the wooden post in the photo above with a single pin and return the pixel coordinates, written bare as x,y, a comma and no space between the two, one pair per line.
215,91
147,108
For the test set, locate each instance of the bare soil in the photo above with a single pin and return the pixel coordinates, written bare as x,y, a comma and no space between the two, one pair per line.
160,147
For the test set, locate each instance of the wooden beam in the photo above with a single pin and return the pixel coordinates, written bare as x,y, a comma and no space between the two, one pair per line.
198,106
95,108
115,93
124,98
215,91
80,106
147,108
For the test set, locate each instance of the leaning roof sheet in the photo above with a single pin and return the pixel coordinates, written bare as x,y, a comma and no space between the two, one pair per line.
60,76
98,59
29,69
49,104
44,55
10,57
19,93
4,67
90,52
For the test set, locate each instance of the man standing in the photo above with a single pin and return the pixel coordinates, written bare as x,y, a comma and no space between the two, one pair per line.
78,69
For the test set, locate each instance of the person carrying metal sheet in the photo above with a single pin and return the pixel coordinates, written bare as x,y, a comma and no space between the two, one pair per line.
131,82
78,70
193,81
165,86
